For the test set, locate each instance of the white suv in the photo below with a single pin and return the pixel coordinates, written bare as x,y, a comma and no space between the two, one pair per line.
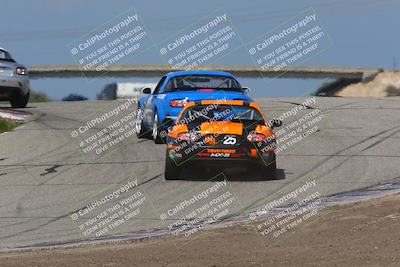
14,81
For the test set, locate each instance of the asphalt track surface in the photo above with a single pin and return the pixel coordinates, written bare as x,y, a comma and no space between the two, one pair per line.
45,177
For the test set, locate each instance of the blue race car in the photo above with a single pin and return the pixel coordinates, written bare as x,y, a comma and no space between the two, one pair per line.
158,110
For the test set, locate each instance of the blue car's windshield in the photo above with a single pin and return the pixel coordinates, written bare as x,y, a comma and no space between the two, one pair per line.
196,82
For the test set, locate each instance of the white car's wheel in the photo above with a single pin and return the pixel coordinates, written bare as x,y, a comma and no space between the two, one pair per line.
18,100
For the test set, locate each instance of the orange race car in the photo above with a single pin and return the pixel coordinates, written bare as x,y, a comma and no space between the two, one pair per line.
221,133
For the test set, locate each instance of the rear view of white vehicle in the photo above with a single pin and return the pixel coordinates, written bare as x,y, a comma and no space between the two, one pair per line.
14,81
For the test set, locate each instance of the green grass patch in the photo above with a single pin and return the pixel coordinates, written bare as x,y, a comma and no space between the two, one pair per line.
37,97
7,125
393,91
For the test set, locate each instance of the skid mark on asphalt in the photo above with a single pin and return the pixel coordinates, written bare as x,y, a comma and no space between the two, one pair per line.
83,163
381,140
48,153
34,228
258,202
43,122
55,219
50,170
336,166
16,223
296,104
338,156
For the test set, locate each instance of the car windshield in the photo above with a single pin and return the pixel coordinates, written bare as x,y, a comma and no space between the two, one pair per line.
195,82
209,113
5,56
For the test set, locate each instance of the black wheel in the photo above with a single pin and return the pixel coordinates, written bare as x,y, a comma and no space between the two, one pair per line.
156,131
19,100
267,171
140,128
172,171
270,171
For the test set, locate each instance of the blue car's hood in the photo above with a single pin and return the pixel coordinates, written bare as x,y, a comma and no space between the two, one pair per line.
198,95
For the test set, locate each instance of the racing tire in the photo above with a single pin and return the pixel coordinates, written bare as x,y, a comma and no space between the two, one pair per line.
270,171
267,172
18,100
140,128
172,171
156,131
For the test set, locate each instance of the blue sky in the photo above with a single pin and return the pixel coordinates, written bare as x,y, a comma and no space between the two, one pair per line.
37,32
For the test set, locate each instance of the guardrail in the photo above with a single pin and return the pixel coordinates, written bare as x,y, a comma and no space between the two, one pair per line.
62,71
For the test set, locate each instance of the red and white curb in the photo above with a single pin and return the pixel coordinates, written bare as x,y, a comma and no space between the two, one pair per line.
14,115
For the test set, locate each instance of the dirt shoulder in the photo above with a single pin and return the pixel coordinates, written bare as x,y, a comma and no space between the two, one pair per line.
384,84
359,234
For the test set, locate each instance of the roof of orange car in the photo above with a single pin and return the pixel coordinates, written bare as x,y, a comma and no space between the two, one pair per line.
223,102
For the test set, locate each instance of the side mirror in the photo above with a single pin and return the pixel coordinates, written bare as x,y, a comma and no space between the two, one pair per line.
275,123
146,91
246,89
